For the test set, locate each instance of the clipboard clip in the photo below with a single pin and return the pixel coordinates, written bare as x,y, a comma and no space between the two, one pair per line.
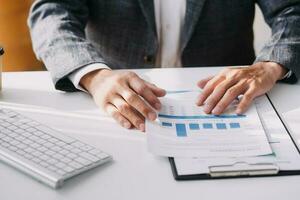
243,169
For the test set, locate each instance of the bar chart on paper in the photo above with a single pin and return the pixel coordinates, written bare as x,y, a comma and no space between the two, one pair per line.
183,129
198,124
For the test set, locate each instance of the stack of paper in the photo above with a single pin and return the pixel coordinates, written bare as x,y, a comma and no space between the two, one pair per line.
184,130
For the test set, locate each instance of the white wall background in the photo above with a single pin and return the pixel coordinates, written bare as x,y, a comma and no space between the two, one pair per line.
262,31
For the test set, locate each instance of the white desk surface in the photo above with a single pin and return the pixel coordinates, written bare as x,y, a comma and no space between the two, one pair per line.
135,174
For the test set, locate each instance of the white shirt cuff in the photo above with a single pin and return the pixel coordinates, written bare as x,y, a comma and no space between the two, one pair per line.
76,76
287,75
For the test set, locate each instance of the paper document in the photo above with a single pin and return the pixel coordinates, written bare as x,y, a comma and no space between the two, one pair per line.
184,130
285,155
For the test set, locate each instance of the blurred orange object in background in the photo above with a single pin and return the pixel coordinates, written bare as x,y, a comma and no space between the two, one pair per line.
14,37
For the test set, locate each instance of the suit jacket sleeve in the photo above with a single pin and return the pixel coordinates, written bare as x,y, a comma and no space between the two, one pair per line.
283,16
58,36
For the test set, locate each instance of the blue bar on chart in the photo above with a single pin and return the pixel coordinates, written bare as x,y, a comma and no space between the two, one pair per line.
166,124
207,126
181,130
234,125
194,126
221,125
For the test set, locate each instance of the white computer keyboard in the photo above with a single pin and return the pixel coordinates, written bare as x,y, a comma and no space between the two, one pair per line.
42,152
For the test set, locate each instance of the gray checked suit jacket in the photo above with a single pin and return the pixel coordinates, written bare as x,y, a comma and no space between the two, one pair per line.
69,34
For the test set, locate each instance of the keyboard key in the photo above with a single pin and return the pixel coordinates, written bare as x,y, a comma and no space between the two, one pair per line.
78,144
36,153
62,144
26,134
28,156
5,144
52,168
75,165
46,137
35,145
69,169
56,148
20,152
60,165
44,157
75,150
61,172
49,152
36,160
71,155
82,161
89,156
52,161
48,144
41,141
22,146
102,155
26,141
44,164
20,138
53,140
86,148
12,148
65,160
58,156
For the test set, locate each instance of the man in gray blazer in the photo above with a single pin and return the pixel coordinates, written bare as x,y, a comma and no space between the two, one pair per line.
81,42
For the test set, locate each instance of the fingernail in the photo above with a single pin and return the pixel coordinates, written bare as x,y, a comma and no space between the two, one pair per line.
152,116
157,106
126,125
216,110
238,111
142,127
206,108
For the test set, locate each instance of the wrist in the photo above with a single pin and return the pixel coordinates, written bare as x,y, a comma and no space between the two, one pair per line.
277,70
87,81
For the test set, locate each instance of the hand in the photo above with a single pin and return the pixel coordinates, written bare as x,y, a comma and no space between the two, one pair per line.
124,96
220,90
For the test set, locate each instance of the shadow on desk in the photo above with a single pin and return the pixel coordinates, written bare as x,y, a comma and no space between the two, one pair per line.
51,100
71,113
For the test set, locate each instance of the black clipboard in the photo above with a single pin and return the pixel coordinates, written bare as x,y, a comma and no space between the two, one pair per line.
242,175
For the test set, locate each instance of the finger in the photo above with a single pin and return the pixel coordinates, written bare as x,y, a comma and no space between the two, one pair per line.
138,103
113,112
127,111
246,100
208,89
159,92
204,81
217,94
141,88
230,95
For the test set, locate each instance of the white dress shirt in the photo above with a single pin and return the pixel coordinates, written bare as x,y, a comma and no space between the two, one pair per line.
169,18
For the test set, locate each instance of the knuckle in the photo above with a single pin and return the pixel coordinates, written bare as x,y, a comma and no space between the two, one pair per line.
130,74
131,97
119,79
141,88
145,110
211,101
247,97
231,91
124,108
